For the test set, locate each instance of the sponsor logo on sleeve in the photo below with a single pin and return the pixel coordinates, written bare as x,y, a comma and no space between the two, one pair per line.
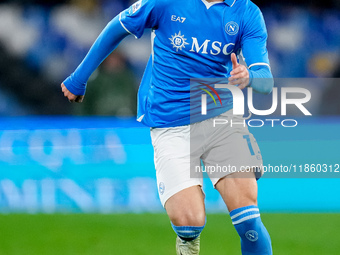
136,6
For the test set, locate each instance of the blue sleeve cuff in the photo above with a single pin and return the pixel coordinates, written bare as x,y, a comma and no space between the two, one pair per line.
74,86
261,79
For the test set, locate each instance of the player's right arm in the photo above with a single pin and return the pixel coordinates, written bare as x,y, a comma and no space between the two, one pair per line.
108,40
131,21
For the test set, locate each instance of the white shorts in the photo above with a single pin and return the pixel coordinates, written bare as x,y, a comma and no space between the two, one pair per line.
223,143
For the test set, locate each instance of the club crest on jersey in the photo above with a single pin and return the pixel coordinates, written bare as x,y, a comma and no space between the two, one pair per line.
178,41
231,28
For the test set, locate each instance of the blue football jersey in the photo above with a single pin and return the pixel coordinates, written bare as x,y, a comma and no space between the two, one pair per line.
191,39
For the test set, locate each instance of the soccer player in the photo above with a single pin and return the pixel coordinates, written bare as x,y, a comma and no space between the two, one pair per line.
194,39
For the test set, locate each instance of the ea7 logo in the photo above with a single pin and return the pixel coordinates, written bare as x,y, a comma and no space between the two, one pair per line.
178,19
238,100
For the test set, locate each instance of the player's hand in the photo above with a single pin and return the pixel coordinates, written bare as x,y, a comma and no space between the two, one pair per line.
71,97
239,74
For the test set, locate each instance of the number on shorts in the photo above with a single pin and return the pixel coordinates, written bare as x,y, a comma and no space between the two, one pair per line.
249,144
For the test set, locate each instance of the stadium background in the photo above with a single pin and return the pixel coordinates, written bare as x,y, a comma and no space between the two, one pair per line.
72,174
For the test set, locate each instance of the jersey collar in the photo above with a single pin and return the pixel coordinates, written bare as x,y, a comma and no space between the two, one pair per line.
230,2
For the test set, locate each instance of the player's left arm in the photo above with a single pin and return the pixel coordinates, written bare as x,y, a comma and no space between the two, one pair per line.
254,49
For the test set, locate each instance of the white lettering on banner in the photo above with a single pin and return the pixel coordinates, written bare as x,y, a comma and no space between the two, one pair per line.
103,195
115,148
25,199
46,148
51,148
48,196
82,198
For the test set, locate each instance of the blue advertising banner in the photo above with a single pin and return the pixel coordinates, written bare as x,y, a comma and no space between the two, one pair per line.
105,165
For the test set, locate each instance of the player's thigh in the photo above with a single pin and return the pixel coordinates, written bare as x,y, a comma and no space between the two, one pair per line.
238,189
240,156
235,158
179,192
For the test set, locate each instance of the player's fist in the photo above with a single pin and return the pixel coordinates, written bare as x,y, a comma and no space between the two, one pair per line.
239,74
71,97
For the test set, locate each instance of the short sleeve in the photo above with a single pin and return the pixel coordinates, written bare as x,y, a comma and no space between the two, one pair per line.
139,16
254,38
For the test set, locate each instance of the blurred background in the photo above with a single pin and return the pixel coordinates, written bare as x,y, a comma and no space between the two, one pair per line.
93,157
42,42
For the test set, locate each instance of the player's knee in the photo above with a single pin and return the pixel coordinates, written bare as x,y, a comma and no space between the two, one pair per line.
188,233
189,218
